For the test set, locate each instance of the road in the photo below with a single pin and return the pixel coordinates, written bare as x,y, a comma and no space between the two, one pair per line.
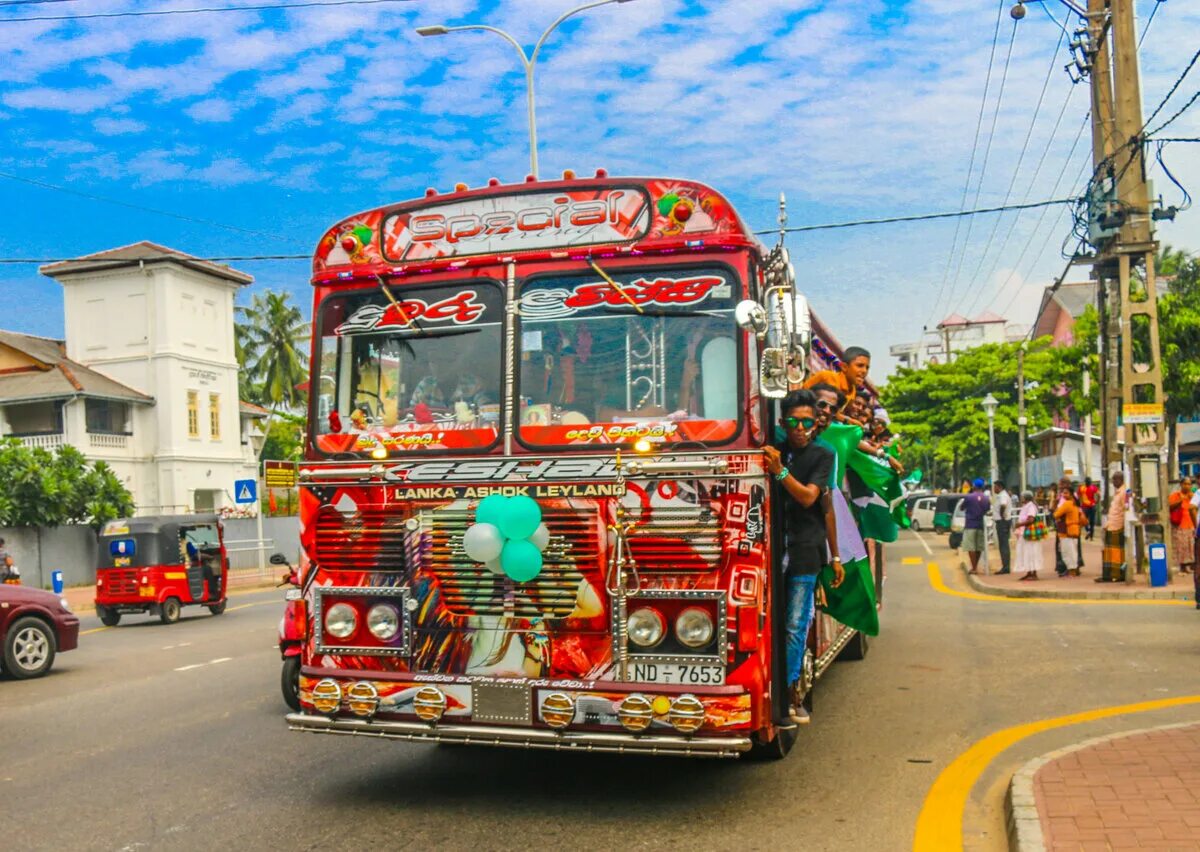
171,737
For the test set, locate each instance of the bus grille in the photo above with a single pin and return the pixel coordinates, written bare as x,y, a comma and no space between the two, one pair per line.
121,582
685,538
469,588
364,541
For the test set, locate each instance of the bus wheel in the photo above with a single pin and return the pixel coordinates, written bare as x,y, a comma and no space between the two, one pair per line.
856,648
169,611
218,608
777,747
108,617
290,683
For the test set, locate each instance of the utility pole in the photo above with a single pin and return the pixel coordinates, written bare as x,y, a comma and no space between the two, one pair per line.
1022,420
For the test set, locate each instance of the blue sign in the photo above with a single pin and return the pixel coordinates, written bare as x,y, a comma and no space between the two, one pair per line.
122,547
245,491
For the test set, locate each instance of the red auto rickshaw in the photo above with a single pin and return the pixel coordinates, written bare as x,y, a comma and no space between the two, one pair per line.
159,564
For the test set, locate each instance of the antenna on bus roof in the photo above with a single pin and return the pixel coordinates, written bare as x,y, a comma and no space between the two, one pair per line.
782,218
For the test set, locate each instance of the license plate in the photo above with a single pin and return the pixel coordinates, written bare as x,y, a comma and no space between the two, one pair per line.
686,674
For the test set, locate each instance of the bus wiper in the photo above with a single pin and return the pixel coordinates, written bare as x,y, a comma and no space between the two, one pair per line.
408,321
617,287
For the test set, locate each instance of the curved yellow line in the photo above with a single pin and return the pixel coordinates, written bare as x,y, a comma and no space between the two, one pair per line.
940,823
939,585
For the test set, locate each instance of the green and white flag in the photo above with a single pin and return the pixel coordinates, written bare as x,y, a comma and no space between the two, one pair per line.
875,490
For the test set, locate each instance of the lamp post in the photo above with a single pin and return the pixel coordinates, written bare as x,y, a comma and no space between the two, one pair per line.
990,404
527,61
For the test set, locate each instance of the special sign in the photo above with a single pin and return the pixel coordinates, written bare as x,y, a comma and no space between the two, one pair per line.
525,222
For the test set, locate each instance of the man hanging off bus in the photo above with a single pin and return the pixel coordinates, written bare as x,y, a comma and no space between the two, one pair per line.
852,375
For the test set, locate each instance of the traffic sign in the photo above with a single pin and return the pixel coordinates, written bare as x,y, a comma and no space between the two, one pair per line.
245,491
279,474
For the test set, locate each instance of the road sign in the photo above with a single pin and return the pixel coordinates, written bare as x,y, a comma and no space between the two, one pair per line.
245,491
279,474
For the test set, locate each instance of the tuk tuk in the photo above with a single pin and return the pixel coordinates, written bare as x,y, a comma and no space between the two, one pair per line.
943,512
159,564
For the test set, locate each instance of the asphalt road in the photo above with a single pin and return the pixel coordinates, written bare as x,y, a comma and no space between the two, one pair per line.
172,737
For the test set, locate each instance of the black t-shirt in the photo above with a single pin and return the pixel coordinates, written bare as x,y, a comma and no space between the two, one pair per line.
804,528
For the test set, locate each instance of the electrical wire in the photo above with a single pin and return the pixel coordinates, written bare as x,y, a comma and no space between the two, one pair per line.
1178,113
202,11
970,163
1158,156
157,258
1149,21
1178,82
32,2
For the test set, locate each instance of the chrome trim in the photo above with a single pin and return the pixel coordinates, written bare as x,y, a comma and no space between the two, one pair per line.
706,465
401,592
720,627
526,737
826,659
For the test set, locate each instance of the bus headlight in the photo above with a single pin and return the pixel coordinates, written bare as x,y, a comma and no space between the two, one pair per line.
383,621
645,627
694,627
341,620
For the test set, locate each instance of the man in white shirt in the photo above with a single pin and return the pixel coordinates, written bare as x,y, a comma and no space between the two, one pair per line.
1002,511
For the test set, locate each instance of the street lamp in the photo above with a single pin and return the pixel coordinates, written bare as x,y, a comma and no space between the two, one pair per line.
990,404
527,60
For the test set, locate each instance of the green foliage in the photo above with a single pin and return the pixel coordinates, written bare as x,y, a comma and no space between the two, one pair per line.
1179,337
271,343
40,488
285,438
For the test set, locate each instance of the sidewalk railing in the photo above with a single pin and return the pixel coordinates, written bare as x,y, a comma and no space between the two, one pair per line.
248,559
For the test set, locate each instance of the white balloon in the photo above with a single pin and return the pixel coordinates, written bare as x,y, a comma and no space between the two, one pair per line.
494,567
483,542
540,537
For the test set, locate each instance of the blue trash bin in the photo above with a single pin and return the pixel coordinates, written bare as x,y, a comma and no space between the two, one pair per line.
56,581
1158,564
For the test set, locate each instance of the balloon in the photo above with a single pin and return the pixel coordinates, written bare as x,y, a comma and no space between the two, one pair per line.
521,560
491,509
483,542
521,517
494,567
540,537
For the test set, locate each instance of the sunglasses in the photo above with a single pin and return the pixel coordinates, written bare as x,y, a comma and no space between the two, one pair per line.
795,422
823,405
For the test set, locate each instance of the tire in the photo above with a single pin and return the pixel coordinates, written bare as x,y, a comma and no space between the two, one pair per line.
776,748
29,648
169,611
856,648
108,617
915,525
289,682
218,608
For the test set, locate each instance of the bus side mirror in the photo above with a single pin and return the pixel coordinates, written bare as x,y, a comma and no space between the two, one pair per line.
278,559
751,316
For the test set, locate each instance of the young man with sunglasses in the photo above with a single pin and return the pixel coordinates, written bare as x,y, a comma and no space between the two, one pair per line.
802,469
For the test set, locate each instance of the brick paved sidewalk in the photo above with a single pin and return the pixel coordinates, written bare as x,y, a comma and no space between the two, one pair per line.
1137,790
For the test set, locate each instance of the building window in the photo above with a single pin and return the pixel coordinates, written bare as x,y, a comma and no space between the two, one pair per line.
214,416
193,414
106,417
34,418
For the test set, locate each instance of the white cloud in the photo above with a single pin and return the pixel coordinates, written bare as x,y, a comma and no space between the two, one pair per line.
117,126
214,110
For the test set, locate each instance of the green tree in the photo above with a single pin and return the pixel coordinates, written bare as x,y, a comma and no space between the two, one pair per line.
1179,339
40,488
271,344
285,438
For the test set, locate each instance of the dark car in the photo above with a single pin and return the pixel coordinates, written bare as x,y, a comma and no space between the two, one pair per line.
34,626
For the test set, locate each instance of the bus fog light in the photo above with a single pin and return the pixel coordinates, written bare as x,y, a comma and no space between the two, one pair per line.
694,627
341,621
429,703
645,627
327,696
635,713
558,710
362,698
686,714
383,621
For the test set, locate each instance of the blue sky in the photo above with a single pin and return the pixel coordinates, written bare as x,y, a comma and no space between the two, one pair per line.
281,122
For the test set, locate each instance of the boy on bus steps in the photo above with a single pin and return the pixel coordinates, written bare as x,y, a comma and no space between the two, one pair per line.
803,470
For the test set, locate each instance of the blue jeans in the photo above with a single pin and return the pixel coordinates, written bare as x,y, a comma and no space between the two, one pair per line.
800,591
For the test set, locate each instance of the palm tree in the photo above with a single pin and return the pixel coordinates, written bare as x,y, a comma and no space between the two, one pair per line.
1169,261
271,337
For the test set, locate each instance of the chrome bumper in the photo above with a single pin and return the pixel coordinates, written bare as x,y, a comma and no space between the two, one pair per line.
524,737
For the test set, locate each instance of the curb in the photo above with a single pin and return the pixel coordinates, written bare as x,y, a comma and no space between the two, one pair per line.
1021,815
234,591
1140,594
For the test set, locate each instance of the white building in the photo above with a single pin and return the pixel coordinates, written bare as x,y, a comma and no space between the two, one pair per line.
955,334
146,379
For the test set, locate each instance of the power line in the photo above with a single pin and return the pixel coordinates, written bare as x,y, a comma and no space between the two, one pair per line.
130,206
1178,113
987,81
201,11
1149,21
1178,82
32,2
157,258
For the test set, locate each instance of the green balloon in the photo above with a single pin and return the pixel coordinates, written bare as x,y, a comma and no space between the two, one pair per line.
491,509
521,560
521,517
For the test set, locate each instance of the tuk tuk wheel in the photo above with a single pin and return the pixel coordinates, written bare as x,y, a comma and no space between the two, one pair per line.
218,608
108,617
169,611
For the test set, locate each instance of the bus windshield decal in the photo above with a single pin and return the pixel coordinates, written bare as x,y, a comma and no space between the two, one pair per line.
460,309
644,292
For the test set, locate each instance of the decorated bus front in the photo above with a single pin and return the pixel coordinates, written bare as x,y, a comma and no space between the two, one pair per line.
534,512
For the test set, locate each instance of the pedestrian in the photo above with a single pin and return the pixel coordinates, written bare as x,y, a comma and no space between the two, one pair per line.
1183,525
8,568
1196,546
1002,506
1073,522
1089,493
976,505
1113,563
1031,529
803,469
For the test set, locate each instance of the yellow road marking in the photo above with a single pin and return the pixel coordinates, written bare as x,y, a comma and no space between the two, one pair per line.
93,630
940,823
935,580
230,609
911,560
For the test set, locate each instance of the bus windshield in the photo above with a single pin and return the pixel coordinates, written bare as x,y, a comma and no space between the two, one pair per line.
610,357
412,369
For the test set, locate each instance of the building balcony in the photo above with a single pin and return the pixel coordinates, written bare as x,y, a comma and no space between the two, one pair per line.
108,440
48,441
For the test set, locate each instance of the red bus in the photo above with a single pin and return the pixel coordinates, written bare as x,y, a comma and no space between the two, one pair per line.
534,510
